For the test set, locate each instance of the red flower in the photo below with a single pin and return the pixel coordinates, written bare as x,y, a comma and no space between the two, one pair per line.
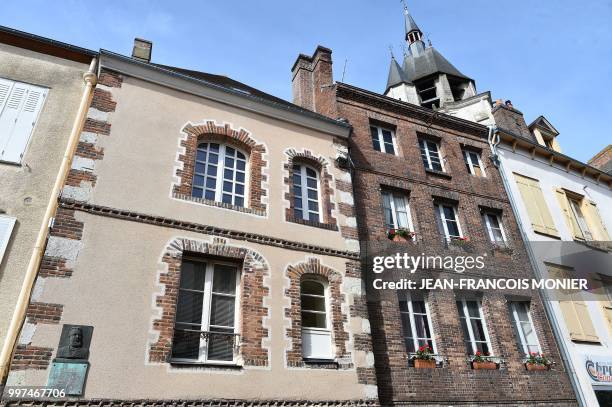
478,353
421,349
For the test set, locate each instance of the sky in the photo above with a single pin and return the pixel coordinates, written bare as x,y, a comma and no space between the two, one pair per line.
551,58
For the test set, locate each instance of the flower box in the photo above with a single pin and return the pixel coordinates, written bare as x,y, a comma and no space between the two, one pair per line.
536,367
484,365
400,235
398,238
424,364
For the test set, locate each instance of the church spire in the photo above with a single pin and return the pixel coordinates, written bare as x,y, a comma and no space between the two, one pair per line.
413,34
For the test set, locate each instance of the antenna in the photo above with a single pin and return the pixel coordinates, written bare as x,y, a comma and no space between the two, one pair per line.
344,69
391,51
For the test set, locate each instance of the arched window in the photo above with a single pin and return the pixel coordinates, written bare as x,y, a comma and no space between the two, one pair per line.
306,193
219,174
316,332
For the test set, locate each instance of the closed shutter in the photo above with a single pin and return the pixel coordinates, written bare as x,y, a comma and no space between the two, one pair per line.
575,311
604,297
18,118
533,198
6,228
596,224
570,219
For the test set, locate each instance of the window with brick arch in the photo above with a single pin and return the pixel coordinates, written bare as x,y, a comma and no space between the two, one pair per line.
306,192
316,325
220,173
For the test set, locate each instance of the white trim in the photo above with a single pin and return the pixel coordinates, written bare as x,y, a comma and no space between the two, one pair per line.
519,328
381,142
328,331
410,312
468,159
443,220
394,218
304,186
428,153
468,319
490,227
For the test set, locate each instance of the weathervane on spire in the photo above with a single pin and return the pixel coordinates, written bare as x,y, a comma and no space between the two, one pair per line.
391,51
404,3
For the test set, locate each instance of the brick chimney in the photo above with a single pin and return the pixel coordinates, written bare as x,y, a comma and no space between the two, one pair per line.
507,117
142,50
312,82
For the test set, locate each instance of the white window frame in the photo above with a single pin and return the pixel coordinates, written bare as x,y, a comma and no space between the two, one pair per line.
428,153
327,331
468,319
7,224
439,207
467,158
221,173
410,312
304,186
486,215
576,210
381,142
206,311
394,218
519,327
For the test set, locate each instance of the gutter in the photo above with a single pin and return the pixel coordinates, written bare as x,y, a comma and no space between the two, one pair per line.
494,140
90,80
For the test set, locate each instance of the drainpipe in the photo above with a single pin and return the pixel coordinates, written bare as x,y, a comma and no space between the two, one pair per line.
494,140
90,80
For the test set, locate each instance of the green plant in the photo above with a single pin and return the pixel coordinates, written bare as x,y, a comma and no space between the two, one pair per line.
424,353
536,358
405,233
480,357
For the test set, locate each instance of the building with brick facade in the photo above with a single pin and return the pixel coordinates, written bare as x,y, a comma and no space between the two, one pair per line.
204,251
41,84
430,175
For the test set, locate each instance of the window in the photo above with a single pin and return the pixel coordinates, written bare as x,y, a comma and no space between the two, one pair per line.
605,297
397,211
416,324
220,174
428,93
474,328
574,207
541,220
446,215
575,311
306,197
578,218
473,163
206,313
316,333
6,228
430,154
494,228
523,327
20,105
383,140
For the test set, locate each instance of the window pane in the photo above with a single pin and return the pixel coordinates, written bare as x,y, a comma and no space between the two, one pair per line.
312,320
212,170
192,275
239,189
240,176
201,155
409,345
213,147
227,186
209,195
298,203
453,230
220,344
460,309
298,213
406,327
477,330
227,199
472,307
199,168
198,180
229,162
213,158
312,194
313,216
230,151
186,345
239,201
224,279
375,142
521,311
228,174
418,307
493,221
311,183
313,206
241,165
422,326
448,212
312,287
310,172
211,182
482,347
310,303
189,307
222,310
197,192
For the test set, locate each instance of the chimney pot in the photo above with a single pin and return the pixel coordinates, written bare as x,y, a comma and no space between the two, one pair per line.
142,50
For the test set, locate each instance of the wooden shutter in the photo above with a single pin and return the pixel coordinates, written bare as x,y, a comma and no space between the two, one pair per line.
570,219
533,198
604,297
575,311
6,228
596,224
18,119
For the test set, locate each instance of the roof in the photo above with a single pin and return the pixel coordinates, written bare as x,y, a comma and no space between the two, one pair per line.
226,82
45,45
396,75
542,122
409,22
431,62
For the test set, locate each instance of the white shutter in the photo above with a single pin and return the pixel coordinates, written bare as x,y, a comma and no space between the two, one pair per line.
18,119
6,87
6,228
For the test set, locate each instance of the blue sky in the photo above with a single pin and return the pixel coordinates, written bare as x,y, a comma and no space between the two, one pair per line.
550,58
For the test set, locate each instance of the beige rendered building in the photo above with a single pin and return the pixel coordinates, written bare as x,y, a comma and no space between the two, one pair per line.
41,84
205,248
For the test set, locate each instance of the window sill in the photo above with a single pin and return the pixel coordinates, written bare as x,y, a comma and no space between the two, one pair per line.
596,245
186,363
322,363
320,225
547,234
441,174
11,163
216,204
